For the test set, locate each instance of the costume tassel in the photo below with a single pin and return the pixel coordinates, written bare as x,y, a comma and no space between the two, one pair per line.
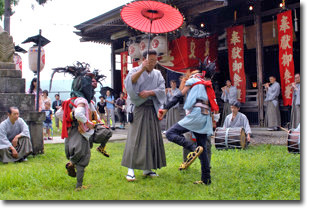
295,21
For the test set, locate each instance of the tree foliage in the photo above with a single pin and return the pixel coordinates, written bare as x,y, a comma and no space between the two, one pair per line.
15,2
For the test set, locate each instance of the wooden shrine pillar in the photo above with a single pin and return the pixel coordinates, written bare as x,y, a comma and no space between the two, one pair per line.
259,61
113,65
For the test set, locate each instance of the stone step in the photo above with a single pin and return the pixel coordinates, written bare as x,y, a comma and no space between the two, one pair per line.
7,65
11,73
25,102
12,85
26,115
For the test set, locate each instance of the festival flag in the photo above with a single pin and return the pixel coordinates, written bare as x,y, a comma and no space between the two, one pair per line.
186,52
286,62
124,70
236,60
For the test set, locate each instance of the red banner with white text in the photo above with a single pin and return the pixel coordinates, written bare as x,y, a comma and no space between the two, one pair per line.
185,52
124,70
286,62
235,45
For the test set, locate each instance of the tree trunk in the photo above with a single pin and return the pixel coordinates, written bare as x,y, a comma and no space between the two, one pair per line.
7,15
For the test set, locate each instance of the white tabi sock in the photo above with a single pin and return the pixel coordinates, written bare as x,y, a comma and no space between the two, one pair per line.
131,172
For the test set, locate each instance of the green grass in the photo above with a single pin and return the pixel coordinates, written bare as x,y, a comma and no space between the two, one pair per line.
259,173
55,129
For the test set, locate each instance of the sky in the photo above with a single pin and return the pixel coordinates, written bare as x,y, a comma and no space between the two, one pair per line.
57,19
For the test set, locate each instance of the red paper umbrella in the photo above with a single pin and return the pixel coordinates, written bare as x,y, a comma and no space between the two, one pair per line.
151,16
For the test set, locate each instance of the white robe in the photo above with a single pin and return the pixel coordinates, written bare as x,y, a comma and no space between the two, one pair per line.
240,120
147,81
230,96
272,93
8,131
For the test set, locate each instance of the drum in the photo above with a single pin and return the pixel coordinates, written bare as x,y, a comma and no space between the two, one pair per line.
293,141
230,138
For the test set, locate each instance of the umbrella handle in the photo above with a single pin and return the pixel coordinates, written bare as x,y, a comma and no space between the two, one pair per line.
149,39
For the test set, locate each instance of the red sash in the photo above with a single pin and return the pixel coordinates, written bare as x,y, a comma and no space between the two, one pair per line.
210,93
66,120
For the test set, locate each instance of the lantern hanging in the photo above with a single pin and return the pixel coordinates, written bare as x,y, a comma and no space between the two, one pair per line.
159,44
33,58
143,45
134,51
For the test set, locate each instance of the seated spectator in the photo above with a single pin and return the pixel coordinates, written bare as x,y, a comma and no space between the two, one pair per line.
237,119
48,123
15,144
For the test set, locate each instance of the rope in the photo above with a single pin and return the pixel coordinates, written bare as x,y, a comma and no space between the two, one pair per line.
293,146
226,137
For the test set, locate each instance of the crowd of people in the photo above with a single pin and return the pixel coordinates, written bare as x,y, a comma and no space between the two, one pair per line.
107,108
85,122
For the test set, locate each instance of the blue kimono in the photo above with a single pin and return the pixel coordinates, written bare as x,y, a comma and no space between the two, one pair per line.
195,121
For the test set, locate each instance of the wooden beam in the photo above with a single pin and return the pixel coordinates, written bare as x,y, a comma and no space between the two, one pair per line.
205,7
251,17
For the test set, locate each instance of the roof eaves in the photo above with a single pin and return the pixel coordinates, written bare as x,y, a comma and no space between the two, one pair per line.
99,18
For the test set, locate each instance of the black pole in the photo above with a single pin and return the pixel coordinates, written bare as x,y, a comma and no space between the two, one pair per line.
38,73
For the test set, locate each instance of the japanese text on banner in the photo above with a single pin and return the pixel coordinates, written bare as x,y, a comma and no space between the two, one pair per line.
236,60
124,70
286,62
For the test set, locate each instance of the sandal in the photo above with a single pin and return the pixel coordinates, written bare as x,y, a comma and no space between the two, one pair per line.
203,183
102,150
182,166
70,169
191,158
130,178
81,188
151,174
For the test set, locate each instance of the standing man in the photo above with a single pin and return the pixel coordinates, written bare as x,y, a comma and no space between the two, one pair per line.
101,105
229,96
110,108
295,112
144,147
121,104
15,144
272,114
173,115
56,106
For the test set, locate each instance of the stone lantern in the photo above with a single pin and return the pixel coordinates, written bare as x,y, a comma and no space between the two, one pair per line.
12,93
